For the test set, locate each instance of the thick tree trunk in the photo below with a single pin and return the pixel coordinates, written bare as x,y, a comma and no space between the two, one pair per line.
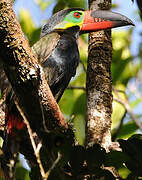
35,100
99,83
25,73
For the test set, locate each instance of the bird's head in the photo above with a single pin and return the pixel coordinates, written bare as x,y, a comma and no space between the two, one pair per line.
85,21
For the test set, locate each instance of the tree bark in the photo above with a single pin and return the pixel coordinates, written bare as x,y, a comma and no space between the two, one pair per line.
99,83
28,81
26,75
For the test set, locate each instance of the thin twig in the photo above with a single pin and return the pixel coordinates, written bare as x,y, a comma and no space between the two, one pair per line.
118,90
2,111
53,166
77,87
125,104
35,148
133,89
44,121
119,127
129,110
84,68
38,147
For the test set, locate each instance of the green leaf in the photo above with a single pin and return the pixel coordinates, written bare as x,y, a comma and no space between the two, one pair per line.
67,102
133,148
136,137
22,173
118,109
77,3
127,130
43,4
79,126
34,36
80,78
27,23
124,172
121,40
116,159
61,4
123,68
79,111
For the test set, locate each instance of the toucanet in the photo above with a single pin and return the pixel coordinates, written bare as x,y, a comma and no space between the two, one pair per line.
57,52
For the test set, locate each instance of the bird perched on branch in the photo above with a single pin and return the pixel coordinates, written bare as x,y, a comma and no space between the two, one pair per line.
57,49
57,52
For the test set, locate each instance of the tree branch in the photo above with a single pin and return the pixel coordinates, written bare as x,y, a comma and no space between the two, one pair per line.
126,106
25,74
35,148
77,87
119,127
53,166
128,109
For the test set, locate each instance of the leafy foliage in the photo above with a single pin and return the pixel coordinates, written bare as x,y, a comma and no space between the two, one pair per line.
133,148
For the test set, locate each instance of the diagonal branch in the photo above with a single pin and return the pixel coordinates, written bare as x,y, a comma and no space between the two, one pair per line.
128,109
119,127
77,87
35,148
25,74
126,106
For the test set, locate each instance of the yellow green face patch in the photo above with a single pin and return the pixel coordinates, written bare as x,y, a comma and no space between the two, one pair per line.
74,18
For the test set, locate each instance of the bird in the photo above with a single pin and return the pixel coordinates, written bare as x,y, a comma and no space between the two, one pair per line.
57,52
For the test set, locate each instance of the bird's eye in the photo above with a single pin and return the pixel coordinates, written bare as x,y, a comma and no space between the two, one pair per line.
77,15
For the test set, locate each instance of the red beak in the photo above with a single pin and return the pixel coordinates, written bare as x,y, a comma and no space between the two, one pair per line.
101,20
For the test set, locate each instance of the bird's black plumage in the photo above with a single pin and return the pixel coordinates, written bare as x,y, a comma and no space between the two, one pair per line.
60,64
57,52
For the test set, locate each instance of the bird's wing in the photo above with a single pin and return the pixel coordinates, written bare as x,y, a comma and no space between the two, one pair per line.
61,64
44,47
